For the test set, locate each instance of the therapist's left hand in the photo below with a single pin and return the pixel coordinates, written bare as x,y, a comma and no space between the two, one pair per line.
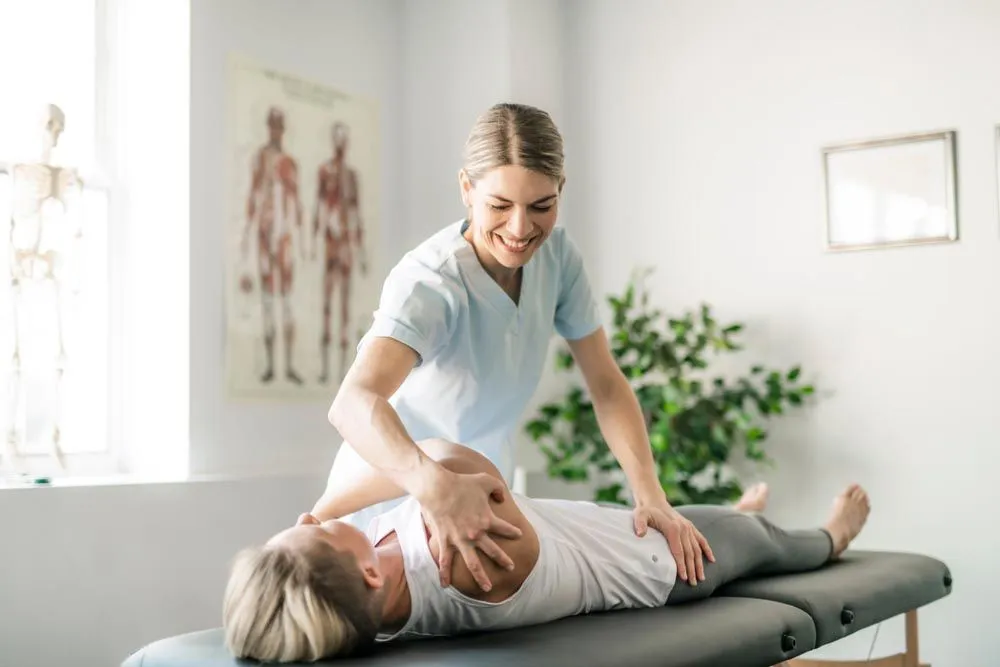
686,542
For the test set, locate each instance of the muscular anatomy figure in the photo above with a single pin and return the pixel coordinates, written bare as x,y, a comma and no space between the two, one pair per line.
44,228
338,215
273,204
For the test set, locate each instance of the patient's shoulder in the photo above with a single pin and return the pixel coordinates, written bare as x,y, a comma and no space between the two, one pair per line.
523,551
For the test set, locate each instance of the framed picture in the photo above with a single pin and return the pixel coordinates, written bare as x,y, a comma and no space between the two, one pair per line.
303,271
893,191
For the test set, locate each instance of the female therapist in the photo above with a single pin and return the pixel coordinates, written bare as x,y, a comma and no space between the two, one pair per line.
459,341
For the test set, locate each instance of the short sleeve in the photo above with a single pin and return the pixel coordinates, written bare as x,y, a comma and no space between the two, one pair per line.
576,310
417,308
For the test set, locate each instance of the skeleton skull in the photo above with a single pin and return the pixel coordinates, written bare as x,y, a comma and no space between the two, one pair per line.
54,122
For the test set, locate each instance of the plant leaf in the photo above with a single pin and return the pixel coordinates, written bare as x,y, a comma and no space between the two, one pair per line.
694,420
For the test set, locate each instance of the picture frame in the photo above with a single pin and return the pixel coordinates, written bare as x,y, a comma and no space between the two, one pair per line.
891,192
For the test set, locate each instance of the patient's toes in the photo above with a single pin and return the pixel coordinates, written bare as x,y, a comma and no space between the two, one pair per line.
754,499
850,512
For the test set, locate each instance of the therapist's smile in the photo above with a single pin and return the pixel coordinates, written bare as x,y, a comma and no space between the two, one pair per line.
516,246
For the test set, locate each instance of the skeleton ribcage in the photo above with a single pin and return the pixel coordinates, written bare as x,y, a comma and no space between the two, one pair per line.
44,198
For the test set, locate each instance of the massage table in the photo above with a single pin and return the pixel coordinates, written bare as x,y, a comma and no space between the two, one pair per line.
750,623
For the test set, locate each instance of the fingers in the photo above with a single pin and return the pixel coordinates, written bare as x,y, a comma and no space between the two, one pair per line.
677,549
699,562
496,487
495,553
503,528
687,550
641,521
475,566
689,564
444,562
497,526
706,548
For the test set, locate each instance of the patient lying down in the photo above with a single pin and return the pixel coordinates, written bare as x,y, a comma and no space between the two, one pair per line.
324,588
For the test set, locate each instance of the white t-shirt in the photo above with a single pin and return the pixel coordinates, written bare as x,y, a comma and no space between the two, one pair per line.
589,560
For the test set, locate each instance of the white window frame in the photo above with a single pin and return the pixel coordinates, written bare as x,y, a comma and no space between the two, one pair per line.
99,176
147,422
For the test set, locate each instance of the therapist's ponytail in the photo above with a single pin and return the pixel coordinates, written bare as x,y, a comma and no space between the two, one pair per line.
509,134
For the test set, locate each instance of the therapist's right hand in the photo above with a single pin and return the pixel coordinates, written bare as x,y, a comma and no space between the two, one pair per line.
458,511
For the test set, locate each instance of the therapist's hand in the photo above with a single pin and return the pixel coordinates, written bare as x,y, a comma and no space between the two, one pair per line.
686,542
457,509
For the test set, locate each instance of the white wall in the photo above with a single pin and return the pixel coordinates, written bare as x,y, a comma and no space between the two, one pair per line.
88,574
446,83
700,125
458,59
352,45
91,574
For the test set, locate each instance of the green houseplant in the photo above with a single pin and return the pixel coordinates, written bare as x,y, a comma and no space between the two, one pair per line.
696,423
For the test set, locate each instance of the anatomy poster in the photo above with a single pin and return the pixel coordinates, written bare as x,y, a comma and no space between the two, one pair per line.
302,276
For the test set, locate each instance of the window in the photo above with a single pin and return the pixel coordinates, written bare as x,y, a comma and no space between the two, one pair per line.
75,296
55,293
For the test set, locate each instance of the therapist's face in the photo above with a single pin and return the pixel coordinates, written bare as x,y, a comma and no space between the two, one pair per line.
513,211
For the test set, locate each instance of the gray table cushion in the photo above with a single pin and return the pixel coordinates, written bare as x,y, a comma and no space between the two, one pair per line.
859,590
722,631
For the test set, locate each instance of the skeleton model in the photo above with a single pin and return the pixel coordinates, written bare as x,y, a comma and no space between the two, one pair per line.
338,215
44,228
273,206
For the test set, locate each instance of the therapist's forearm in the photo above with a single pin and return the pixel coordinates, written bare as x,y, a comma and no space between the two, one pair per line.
341,499
620,419
377,434
354,485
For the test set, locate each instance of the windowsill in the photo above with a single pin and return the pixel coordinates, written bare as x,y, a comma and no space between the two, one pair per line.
73,481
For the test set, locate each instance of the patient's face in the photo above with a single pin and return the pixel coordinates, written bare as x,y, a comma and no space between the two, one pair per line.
340,535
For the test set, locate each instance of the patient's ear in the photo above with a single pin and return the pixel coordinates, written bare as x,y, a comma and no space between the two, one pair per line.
372,576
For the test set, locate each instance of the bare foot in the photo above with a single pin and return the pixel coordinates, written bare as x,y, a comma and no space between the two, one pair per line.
754,499
850,511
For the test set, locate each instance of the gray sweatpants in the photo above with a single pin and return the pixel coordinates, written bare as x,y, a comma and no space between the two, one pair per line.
747,545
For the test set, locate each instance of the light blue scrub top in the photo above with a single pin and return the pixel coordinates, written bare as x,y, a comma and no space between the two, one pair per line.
480,355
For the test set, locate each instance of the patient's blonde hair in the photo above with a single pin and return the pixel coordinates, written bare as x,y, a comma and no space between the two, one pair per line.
510,133
288,605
